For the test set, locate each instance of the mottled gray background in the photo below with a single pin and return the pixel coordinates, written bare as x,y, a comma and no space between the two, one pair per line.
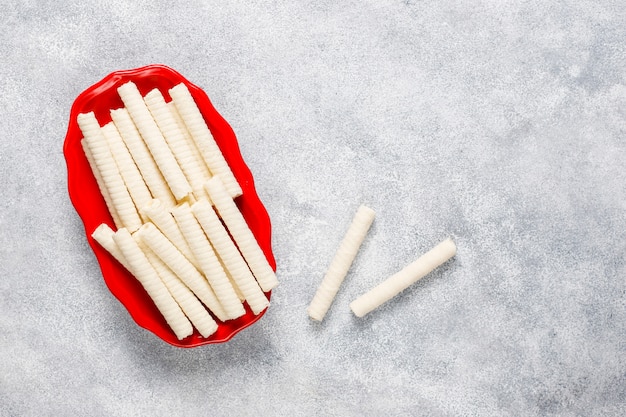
503,125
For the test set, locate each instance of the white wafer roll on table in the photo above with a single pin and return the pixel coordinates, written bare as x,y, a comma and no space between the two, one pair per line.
181,267
396,283
230,256
153,137
135,184
209,264
164,220
142,157
193,309
104,236
341,263
194,170
241,233
203,138
101,186
150,280
109,171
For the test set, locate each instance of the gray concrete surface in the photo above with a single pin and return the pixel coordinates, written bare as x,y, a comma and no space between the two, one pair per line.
502,124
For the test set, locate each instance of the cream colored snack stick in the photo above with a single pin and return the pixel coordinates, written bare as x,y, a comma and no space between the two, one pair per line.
165,222
101,186
209,264
150,280
193,309
130,173
232,281
153,137
192,145
181,267
111,177
184,154
341,263
396,283
230,256
203,138
142,157
104,236
241,233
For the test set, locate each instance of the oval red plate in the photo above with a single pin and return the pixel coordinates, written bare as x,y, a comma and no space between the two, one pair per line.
83,190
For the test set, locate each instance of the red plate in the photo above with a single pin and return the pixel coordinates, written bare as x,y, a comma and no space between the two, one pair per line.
83,190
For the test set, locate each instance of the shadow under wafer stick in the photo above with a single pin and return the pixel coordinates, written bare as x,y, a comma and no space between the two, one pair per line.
341,263
109,171
135,184
153,137
210,266
151,282
174,137
142,157
398,282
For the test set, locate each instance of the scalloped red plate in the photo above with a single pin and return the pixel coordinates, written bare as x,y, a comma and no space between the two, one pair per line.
89,203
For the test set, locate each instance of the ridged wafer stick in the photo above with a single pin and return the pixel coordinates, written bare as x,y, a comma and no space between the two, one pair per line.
142,157
164,221
104,236
209,264
192,145
230,256
130,173
150,280
341,263
242,234
193,309
203,138
101,186
153,137
182,267
184,154
396,283
107,167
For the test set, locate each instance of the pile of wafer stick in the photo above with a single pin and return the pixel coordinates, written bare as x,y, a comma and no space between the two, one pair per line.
170,193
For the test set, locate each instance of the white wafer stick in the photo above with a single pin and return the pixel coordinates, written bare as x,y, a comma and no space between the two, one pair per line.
104,236
130,173
232,282
341,263
396,283
111,177
142,157
184,154
192,145
181,267
203,138
101,186
230,256
193,309
241,233
163,219
150,280
209,264
154,139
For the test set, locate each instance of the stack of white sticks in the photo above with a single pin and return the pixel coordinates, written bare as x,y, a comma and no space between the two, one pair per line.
170,193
